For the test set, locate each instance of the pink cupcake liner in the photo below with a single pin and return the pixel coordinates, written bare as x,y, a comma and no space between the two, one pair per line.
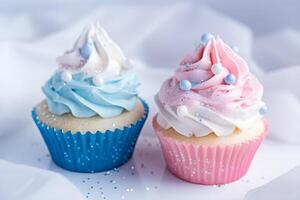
207,164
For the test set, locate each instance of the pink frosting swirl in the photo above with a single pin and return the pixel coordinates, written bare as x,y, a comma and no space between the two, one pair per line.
209,89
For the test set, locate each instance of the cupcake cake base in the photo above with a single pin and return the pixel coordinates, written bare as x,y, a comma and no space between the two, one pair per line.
210,160
87,150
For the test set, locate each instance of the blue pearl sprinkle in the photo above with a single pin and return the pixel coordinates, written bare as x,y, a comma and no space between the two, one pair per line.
263,110
206,37
229,79
185,85
85,50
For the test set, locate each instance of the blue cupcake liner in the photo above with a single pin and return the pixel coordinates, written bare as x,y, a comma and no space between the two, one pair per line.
91,152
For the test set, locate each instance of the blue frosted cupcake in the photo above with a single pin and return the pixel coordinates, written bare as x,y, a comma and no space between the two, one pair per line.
92,115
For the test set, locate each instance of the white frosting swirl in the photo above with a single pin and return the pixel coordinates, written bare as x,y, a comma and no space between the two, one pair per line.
94,53
201,121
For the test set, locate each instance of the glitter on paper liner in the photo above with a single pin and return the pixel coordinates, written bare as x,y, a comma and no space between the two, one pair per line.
91,152
208,164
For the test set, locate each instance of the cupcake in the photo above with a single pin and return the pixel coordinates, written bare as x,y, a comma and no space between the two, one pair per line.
92,115
210,121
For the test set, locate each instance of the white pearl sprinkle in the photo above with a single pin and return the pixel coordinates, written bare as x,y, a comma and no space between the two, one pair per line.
216,68
182,111
66,76
97,80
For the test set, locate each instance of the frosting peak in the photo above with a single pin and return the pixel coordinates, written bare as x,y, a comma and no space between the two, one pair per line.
94,78
94,53
216,88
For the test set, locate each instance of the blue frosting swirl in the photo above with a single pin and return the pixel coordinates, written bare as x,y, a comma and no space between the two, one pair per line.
83,99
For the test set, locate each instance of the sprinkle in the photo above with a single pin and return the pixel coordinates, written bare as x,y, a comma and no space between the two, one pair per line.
229,79
216,68
85,50
206,37
182,111
107,173
116,169
185,85
263,110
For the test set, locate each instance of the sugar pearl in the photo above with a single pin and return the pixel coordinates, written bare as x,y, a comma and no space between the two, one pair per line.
216,68
85,50
263,110
206,37
229,79
66,76
185,85
182,111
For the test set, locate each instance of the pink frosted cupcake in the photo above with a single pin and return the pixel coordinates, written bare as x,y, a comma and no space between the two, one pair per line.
210,120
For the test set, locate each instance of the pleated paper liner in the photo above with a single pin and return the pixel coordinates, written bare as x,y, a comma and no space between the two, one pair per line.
208,164
91,152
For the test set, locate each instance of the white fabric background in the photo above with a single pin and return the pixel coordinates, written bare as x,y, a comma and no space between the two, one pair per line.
156,36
